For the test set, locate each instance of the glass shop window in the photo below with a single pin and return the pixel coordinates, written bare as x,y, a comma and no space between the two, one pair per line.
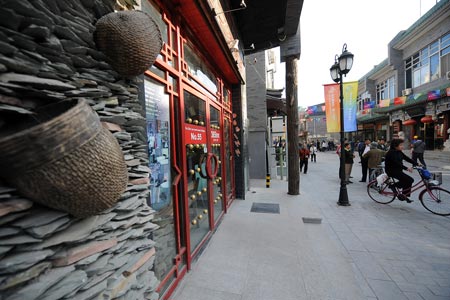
158,136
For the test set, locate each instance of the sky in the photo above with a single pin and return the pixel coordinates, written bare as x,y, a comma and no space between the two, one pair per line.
366,26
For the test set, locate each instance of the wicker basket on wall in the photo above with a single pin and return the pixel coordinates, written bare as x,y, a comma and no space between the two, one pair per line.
130,39
64,159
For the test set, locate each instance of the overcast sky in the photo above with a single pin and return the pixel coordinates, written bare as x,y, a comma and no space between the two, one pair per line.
367,26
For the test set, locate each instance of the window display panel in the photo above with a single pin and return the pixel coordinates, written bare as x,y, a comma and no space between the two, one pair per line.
158,136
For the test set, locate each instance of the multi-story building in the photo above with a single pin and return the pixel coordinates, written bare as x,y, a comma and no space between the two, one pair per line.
407,94
181,125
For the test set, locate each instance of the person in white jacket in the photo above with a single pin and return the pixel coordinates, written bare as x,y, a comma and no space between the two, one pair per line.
313,151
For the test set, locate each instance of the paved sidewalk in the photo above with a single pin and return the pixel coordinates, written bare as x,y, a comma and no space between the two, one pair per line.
365,251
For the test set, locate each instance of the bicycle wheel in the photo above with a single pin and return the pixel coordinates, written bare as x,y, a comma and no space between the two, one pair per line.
436,200
381,194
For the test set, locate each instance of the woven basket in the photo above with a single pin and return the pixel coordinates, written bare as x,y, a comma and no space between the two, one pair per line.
130,39
68,161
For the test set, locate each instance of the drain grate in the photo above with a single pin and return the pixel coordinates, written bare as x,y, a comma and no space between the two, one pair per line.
269,208
307,220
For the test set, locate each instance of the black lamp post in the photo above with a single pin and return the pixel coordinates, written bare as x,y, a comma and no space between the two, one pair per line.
338,70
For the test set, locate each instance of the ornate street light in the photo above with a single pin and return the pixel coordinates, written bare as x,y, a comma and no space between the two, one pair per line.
342,65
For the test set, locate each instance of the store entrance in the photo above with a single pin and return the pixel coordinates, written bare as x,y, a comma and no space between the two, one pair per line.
202,132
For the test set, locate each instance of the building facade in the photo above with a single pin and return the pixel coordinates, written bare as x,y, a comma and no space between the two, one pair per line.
408,93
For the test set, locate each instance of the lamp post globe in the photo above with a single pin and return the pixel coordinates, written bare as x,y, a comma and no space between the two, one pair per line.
345,60
338,70
334,72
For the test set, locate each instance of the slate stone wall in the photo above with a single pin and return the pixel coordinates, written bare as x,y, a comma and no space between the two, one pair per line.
47,54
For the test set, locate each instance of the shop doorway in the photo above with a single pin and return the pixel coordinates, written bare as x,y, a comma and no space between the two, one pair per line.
203,140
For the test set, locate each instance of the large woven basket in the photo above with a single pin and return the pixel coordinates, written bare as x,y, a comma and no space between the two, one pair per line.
66,160
130,39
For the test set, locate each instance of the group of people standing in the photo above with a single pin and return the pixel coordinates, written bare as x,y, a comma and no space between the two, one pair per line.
373,153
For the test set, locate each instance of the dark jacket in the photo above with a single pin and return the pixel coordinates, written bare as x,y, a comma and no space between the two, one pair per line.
348,156
394,162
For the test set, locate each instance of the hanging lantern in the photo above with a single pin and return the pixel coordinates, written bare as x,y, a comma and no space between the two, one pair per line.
409,122
427,119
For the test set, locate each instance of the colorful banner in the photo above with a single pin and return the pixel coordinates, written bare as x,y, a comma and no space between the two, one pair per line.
433,95
385,102
399,100
448,91
350,105
332,108
370,104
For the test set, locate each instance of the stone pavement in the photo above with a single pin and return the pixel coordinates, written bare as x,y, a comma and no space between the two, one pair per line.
364,251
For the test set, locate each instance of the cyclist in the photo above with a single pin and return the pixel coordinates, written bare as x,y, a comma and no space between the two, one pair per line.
394,168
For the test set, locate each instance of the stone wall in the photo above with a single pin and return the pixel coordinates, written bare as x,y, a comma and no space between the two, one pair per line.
47,54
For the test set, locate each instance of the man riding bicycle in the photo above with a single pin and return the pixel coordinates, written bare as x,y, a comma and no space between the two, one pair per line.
394,168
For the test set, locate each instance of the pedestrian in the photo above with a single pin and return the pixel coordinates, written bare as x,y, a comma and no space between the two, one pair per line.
348,156
382,145
361,147
304,158
374,158
394,168
324,146
418,149
313,151
365,160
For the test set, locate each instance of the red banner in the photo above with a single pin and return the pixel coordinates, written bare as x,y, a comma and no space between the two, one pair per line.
194,134
399,100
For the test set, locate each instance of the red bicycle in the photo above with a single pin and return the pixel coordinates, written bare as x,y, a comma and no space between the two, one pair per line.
433,197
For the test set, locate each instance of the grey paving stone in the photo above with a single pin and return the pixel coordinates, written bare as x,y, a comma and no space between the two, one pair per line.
368,266
386,290
440,290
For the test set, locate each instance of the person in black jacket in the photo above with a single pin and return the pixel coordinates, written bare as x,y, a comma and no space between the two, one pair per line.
394,168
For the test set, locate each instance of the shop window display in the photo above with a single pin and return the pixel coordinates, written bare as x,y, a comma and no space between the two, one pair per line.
158,133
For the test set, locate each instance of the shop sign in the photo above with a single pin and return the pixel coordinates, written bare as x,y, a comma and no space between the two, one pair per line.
194,134
430,109
398,115
215,136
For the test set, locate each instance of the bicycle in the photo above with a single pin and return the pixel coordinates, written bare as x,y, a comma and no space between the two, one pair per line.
434,198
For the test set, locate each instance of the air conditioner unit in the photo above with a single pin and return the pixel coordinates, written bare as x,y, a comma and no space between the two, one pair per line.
447,75
406,92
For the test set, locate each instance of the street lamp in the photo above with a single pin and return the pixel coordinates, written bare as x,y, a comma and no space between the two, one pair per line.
340,68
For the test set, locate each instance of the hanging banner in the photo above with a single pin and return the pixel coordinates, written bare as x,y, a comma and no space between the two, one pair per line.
350,99
399,100
385,102
332,107
433,95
